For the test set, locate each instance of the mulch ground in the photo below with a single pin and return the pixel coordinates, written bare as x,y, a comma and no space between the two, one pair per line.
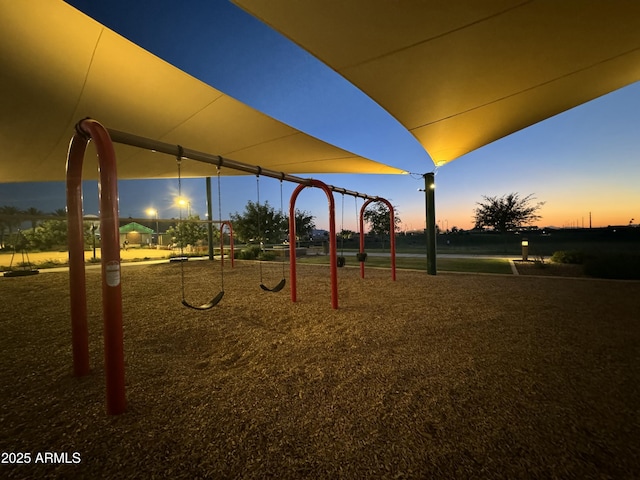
447,376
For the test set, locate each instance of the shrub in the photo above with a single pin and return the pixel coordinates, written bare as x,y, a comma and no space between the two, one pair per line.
249,253
267,256
619,266
50,264
539,261
568,256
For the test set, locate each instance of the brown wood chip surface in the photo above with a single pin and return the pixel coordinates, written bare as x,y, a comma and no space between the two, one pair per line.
447,376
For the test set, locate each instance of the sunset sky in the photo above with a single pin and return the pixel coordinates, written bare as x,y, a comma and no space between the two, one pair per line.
584,160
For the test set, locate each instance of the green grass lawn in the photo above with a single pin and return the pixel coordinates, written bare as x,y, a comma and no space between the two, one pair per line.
472,265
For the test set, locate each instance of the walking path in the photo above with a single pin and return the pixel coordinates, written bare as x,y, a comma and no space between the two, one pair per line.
143,256
128,257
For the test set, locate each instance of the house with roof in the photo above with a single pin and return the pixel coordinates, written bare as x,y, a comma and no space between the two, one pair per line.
135,234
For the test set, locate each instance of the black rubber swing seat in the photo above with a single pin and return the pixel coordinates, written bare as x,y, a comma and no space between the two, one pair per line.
341,261
277,288
21,273
206,306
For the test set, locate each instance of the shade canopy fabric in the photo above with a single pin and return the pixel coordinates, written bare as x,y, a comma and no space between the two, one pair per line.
461,74
59,66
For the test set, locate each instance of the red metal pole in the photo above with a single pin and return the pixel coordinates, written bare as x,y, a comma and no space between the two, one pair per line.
292,243
221,245
228,224
333,246
111,286
333,251
362,209
231,244
392,234
77,284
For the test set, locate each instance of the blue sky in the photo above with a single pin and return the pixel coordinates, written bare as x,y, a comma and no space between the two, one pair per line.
584,160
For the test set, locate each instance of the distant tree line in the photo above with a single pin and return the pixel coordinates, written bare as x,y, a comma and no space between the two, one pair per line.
258,223
46,228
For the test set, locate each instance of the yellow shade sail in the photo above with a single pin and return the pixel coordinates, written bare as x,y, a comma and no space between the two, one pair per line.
461,74
59,66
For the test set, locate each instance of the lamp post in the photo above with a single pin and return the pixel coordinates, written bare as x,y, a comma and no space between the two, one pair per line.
183,202
154,212
430,223
93,234
525,250
429,193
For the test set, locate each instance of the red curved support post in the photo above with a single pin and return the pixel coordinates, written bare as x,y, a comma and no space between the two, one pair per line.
228,224
110,253
333,251
392,235
77,284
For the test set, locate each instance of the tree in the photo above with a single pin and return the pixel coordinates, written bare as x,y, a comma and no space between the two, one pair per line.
9,219
507,212
259,223
304,223
33,213
378,219
188,231
50,234
273,226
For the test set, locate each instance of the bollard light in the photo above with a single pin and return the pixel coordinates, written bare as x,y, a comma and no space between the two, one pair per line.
525,250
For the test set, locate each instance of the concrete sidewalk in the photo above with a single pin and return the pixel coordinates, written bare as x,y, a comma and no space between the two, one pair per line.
62,257
144,256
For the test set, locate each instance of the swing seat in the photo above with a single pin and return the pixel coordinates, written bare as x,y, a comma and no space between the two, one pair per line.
362,256
341,261
277,288
20,273
206,306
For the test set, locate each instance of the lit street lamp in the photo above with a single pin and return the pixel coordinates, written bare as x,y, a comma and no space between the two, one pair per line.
154,212
183,202
430,225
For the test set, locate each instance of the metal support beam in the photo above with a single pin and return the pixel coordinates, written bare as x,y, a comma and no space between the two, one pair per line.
175,151
429,193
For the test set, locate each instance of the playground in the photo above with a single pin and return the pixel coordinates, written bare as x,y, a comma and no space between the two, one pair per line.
446,376
204,369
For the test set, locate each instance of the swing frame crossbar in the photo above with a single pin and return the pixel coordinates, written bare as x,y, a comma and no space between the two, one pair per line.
90,130
219,161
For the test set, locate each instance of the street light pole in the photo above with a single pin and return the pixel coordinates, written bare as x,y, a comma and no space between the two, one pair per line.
153,211
429,193
158,237
93,233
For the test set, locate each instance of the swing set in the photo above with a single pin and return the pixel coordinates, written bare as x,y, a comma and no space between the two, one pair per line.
104,138
24,268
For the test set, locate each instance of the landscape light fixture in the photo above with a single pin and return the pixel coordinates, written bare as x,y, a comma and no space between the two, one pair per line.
525,250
